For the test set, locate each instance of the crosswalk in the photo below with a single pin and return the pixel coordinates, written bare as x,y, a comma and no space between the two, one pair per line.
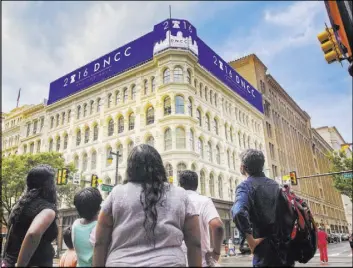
341,254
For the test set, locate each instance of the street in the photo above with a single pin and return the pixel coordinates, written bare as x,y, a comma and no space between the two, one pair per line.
339,255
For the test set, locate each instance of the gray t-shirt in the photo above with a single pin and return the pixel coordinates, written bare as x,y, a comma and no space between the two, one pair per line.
129,245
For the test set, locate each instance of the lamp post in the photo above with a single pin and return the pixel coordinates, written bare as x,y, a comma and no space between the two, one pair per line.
110,160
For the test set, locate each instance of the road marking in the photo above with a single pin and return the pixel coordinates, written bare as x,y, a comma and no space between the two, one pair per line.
334,255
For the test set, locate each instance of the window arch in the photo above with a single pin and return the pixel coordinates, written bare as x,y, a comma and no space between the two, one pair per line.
153,83
51,123
84,162
91,105
87,130
121,124
211,96
218,155
57,120
78,137
76,161
110,99
202,182
85,112
94,160
169,170
38,146
215,99
209,151
117,97
208,123
99,103
220,187
62,118
167,139
188,76
66,139
145,86
58,141
131,121
211,185
192,140
126,95
133,92
166,76
198,114
95,132
78,112
150,141
180,138
130,146
110,127
215,124
107,154
178,74
167,106
180,167
190,106
150,116
179,104
200,147
50,147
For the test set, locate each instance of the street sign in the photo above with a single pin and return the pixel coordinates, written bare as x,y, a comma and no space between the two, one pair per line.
348,175
106,187
76,178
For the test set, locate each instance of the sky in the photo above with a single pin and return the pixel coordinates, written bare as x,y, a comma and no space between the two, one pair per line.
42,41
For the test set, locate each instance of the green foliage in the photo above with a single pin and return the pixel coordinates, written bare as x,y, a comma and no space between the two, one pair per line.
14,171
341,162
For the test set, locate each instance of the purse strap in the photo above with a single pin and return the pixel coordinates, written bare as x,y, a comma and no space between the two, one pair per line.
7,241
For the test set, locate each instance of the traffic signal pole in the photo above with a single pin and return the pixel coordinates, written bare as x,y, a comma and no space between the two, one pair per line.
325,174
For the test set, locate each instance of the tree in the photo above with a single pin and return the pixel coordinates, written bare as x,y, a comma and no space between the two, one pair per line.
341,162
14,171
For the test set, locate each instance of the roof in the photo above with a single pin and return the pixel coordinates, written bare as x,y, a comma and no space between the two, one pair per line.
335,129
249,56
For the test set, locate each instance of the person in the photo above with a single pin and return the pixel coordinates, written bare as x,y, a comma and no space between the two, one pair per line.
256,204
69,259
32,225
209,219
351,241
87,202
144,220
231,246
322,244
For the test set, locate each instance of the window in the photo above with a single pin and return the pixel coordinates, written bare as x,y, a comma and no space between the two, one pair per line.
29,129
110,127
208,124
126,95
107,154
193,167
180,167
206,93
91,105
95,132
191,140
218,155
215,124
180,138
211,97
220,187
167,106
76,163
269,130
228,158
150,141
35,125
274,171
272,150
188,76
145,87
117,97
244,139
87,135
99,103
178,75
198,114
31,148
38,146
179,105
239,139
133,92
231,134
166,76
190,106
110,100
150,115
202,182
42,123
215,99
167,139
129,147
58,144
51,143
249,142
209,151
200,147
153,82
121,124
78,137
94,160
25,149
78,112
121,152
84,162
169,170
131,121
226,131
66,139
63,118
233,159
212,192
57,120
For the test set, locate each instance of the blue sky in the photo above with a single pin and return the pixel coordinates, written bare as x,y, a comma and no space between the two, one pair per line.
42,41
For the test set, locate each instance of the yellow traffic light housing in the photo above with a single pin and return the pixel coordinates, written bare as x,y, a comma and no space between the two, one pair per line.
293,178
329,45
94,181
59,177
65,175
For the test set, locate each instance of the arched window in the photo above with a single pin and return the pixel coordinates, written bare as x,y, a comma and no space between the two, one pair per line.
153,83
239,139
200,90
99,103
95,132
38,146
131,121
87,135
211,97
110,127
85,110
78,137
198,114
206,93
249,142
66,139
133,92
121,152
150,141
31,148
58,141
129,147
84,162
192,140
167,106
188,76
76,162
244,140
166,76
91,105
179,104
190,106
180,138
57,120
208,124
209,151
94,160
180,167
178,74
215,99
231,188
63,118
256,145
231,134
126,95
51,123
167,139
233,158
218,155
212,192
78,112
145,86
202,182
193,167
120,179
228,158
117,97
150,116
220,187
107,154
50,147
169,170
215,123
226,131
121,124
200,147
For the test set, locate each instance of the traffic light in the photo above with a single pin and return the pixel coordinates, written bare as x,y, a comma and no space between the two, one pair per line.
94,181
329,45
65,176
293,178
59,177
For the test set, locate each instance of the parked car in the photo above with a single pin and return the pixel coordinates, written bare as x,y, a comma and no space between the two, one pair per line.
333,238
345,237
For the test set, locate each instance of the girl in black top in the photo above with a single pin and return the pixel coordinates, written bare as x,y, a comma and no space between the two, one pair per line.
32,225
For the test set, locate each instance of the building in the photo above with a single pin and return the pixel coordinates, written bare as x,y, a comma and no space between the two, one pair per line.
292,145
167,89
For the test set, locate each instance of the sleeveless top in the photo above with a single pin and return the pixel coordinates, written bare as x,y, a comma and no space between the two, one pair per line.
81,239
44,254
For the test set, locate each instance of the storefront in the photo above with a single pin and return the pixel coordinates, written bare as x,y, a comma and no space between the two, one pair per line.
223,207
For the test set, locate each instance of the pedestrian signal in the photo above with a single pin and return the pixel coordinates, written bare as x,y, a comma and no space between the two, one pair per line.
94,181
293,178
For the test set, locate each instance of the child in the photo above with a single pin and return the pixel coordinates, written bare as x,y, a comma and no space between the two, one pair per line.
69,259
87,202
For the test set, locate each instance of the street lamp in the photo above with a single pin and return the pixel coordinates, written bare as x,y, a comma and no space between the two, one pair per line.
110,160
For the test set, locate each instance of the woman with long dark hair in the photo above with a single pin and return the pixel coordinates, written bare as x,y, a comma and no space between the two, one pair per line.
144,221
32,226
